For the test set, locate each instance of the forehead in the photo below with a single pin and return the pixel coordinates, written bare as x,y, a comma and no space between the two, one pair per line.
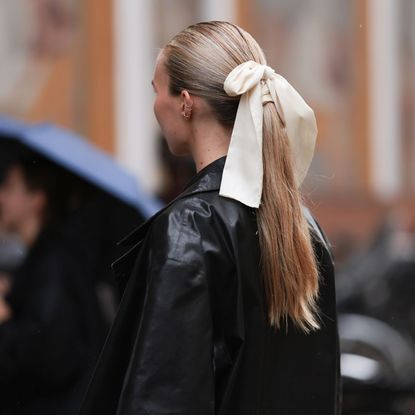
160,73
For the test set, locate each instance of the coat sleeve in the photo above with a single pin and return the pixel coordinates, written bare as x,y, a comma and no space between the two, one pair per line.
170,370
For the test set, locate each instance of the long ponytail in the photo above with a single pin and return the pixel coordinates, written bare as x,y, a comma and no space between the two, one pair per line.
289,267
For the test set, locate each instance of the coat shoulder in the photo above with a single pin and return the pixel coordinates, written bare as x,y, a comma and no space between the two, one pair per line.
201,223
204,206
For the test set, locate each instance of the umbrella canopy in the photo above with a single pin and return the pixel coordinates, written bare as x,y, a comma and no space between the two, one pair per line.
81,158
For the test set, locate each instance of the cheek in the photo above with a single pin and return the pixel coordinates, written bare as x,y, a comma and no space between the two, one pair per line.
165,116
10,208
156,110
162,106
171,124
15,203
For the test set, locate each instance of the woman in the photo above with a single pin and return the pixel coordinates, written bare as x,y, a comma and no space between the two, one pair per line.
228,304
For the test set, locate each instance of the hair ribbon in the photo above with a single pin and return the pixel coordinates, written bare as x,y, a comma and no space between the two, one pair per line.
257,84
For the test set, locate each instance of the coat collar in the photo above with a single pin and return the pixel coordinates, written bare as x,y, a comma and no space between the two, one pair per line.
206,180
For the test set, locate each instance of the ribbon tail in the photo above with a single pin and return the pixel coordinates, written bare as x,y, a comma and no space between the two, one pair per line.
243,171
300,124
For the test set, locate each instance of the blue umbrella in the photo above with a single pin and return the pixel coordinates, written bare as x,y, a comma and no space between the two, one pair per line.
81,158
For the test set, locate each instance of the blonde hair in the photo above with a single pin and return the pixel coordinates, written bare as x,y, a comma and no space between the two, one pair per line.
198,60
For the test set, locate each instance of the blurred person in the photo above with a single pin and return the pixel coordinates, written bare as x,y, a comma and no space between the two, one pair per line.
12,250
50,325
229,302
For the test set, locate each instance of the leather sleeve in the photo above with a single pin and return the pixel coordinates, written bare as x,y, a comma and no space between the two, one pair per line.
170,370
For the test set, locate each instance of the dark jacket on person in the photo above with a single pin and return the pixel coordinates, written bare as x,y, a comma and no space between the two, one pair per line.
49,347
191,335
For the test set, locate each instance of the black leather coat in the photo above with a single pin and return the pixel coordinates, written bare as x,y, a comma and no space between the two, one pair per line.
191,335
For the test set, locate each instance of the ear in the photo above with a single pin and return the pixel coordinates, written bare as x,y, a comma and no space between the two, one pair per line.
186,104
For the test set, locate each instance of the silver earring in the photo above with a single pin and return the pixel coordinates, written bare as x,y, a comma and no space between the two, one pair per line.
187,111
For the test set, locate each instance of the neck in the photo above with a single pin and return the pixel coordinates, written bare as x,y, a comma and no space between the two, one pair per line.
30,230
210,142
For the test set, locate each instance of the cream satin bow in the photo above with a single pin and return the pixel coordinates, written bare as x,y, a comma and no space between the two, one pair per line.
243,172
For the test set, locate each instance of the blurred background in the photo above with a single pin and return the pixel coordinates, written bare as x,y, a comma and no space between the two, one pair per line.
87,66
